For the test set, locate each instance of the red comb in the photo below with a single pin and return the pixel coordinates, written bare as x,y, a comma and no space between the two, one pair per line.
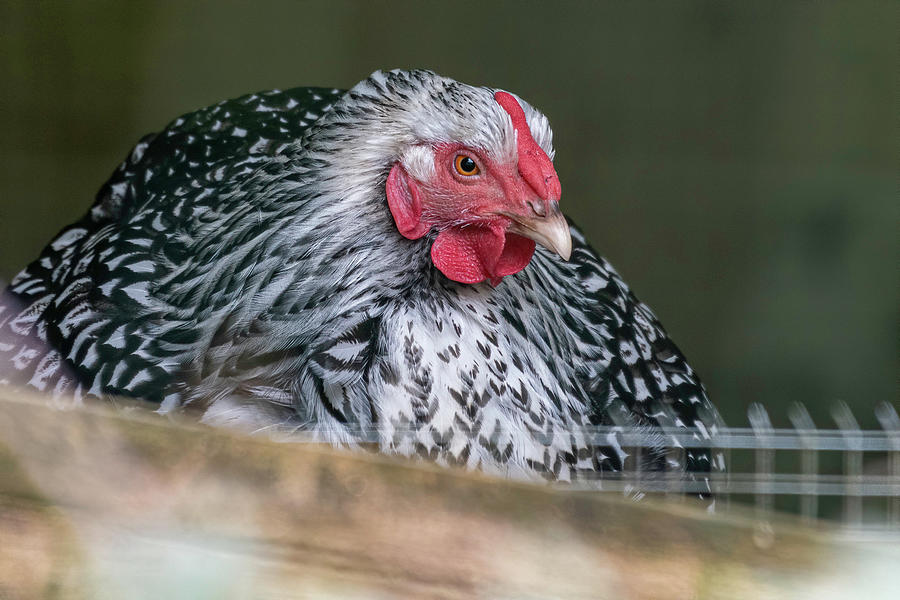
534,165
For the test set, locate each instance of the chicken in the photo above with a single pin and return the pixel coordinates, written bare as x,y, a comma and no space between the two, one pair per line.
387,265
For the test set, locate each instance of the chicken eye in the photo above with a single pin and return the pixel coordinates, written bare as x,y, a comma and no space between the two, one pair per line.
465,165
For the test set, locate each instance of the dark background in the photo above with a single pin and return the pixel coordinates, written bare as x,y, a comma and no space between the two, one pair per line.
737,161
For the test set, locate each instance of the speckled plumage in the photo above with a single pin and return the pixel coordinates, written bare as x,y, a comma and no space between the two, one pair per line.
243,261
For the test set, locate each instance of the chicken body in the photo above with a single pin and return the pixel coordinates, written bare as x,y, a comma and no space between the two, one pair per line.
245,262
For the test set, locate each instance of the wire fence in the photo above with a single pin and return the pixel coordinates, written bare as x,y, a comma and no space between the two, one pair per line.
845,475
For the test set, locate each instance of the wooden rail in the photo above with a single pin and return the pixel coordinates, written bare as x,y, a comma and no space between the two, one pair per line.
102,503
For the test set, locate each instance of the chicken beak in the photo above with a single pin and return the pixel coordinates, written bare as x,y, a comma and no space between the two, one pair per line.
549,229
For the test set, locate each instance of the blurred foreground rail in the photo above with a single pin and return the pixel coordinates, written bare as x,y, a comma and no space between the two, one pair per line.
99,503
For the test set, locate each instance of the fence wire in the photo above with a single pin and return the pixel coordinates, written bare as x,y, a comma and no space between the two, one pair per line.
843,474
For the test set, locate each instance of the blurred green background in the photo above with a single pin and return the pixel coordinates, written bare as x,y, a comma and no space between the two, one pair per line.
737,161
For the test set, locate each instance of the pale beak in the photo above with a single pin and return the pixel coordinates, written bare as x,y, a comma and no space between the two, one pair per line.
550,229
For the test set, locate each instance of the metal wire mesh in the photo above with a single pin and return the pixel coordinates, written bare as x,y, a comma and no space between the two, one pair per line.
843,474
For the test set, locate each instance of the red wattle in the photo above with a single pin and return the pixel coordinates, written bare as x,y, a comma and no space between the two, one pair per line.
475,253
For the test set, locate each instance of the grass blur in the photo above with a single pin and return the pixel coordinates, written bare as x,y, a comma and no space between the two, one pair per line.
735,160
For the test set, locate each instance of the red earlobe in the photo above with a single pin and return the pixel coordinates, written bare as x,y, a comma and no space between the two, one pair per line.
405,204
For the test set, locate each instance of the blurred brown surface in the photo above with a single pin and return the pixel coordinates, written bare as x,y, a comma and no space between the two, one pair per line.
96,503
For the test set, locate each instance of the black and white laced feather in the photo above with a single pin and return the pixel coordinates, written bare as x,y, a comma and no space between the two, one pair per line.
244,262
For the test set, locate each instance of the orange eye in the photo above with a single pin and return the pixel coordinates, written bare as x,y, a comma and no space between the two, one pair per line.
465,165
